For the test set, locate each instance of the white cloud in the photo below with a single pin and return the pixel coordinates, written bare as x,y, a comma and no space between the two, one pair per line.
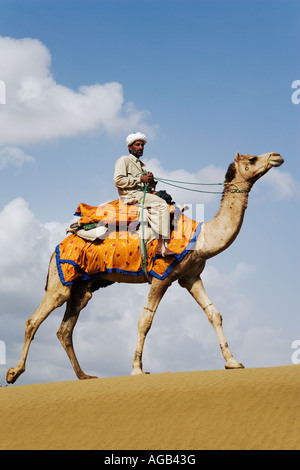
25,248
39,109
264,347
283,185
13,156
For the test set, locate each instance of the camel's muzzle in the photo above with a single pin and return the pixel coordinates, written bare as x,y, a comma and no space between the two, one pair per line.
276,159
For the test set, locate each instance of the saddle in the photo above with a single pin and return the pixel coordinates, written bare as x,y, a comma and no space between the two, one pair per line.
119,250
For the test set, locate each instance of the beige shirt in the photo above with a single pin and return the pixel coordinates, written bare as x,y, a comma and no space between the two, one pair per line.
128,172
127,178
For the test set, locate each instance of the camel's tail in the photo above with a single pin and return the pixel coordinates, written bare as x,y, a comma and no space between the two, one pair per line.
47,281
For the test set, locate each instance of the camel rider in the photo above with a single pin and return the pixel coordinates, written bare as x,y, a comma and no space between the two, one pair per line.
130,177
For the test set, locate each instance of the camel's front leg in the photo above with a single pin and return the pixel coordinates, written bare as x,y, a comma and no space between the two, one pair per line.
196,289
157,290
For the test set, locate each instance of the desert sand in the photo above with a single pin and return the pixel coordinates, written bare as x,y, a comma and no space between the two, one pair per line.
238,409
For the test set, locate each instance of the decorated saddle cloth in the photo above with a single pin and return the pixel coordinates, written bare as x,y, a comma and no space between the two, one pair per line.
78,259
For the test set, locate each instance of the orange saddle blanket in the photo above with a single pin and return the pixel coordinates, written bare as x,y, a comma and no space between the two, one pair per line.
78,259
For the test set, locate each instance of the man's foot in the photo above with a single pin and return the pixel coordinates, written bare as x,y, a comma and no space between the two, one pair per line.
162,252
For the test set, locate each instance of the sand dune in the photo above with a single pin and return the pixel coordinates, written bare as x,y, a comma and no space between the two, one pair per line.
242,409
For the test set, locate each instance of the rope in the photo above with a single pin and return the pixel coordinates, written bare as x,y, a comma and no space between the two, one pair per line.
189,182
144,253
164,181
170,183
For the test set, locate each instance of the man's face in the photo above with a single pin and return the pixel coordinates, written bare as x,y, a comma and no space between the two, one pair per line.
137,148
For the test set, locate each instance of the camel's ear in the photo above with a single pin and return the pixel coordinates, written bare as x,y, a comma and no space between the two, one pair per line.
237,157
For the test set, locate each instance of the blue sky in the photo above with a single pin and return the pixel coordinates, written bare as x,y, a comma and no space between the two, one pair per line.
203,79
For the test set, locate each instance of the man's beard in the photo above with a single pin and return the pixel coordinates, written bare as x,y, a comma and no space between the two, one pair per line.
137,153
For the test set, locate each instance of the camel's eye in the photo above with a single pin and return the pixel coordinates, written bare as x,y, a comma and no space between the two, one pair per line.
253,160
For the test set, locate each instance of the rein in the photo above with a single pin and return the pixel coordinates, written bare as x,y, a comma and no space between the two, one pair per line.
144,251
174,183
170,183
236,191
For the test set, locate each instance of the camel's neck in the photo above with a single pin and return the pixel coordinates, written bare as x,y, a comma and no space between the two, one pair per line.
221,232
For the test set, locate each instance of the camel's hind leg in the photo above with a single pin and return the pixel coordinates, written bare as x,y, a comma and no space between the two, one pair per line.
56,295
80,296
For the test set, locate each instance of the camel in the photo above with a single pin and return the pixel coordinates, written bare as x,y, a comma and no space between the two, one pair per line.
215,237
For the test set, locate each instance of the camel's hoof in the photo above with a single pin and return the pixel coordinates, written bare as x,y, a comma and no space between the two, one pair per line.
233,364
88,377
139,372
12,375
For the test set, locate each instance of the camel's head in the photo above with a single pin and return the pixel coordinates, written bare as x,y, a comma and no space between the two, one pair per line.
251,168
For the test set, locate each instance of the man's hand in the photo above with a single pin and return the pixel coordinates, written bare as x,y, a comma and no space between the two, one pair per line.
148,178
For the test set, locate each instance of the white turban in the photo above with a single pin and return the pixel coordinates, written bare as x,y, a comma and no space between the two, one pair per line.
134,137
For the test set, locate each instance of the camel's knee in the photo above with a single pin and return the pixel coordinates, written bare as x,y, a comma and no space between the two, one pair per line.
214,317
30,327
60,335
64,334
65,338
